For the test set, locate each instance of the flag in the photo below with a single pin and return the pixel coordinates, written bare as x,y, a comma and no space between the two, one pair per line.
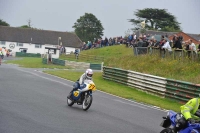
143,24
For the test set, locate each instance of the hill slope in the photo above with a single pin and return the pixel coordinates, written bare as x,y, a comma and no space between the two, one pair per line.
121,57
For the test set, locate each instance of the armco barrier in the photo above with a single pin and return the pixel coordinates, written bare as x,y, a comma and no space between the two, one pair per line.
21,54
153,84
58,62
145,82
95,66
181,91
115,74
44,60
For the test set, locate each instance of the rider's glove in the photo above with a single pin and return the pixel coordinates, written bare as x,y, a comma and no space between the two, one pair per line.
191,121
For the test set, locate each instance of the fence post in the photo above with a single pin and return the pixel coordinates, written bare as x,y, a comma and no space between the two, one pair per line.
102,66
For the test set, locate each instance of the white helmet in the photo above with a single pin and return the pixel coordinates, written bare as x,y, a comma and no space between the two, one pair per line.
89,73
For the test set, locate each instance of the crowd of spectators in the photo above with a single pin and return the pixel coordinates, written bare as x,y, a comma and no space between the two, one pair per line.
98,43
163,43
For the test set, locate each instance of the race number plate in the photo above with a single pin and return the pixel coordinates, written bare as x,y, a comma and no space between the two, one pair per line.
76,93
92,87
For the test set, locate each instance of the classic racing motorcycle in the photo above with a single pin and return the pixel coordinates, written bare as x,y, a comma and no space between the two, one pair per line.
83,95
178,124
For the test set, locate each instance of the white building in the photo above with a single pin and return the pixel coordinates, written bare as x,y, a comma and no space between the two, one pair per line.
37,41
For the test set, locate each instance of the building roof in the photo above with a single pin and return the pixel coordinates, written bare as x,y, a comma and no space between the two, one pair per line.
152,33
28,35
195,36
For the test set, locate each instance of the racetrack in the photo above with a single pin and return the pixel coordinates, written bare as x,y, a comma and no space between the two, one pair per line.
34,102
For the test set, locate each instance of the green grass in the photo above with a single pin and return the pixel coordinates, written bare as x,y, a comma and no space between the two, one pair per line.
31,62
121,57
120,90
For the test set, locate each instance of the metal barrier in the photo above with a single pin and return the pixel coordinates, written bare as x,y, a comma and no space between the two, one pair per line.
149,83
181,91
153,84
44,60
180,54
95,66
22,54
58,62
115,74
178,90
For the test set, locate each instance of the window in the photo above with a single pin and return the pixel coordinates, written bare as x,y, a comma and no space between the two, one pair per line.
38,46
2,42
20,44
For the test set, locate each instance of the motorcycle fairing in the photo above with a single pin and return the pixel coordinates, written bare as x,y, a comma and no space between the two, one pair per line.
192,128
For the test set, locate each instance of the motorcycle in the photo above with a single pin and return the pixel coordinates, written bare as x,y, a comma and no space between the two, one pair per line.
83,95
178,124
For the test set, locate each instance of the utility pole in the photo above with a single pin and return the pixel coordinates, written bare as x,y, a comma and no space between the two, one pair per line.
29,23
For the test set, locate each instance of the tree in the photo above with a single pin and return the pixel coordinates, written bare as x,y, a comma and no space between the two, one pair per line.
88,27
155,19
3,23
25,26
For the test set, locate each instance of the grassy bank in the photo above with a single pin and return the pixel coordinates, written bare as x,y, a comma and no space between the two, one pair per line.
121,57
120,90
31,62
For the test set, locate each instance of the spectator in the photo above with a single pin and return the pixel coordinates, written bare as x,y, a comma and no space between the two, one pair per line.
110,42
156,43
106,41
177,44
76,53
130,38
167,46
134,37
192,46
198,49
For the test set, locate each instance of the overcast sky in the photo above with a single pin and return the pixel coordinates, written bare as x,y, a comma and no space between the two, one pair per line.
60,15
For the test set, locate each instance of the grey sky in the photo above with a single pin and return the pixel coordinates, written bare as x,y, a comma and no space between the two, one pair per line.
60,15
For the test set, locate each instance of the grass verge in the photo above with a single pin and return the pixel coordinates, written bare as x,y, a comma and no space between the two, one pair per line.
119,56
120,90
31,62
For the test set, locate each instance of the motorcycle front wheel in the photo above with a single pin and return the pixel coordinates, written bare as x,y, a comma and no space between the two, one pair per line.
69,101
87,102
167,130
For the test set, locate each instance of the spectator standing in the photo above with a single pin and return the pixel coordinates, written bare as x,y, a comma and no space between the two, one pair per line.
102,42
110,41
106,41
76,53
134,38
192,47
167,46
198,49
178,47
130,38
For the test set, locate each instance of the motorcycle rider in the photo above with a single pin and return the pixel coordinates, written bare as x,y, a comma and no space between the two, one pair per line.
80,82
85,76
189,110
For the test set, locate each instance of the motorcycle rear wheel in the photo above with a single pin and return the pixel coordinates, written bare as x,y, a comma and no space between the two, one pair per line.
167,130
87,102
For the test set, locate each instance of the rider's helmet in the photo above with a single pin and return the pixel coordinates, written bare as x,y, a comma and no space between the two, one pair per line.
89,73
